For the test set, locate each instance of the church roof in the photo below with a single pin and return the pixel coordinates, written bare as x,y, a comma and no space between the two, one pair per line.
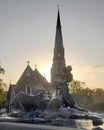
25,78
28,71
40,77
30,77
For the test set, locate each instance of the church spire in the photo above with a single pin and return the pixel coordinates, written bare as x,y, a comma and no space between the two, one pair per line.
58,58
58,49
58,38
58,19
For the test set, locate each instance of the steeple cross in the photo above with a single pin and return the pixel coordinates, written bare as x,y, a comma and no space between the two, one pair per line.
35,66
28,62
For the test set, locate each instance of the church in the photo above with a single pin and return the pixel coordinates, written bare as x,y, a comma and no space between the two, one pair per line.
32,80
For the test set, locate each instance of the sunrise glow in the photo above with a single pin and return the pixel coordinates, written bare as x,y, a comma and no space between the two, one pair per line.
45,71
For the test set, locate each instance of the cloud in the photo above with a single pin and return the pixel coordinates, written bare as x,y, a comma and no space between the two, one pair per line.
98,67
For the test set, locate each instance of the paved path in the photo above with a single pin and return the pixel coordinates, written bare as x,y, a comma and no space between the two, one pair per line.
22,126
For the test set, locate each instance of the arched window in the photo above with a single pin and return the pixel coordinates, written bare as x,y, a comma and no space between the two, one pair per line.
28,73
28,89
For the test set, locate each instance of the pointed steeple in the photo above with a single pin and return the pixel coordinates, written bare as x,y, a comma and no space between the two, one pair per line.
58,20
58,58
58,38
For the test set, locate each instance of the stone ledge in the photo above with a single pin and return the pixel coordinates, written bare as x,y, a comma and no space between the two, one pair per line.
22,126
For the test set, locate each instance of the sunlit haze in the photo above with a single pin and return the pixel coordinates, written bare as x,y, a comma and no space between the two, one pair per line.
45,71
27,32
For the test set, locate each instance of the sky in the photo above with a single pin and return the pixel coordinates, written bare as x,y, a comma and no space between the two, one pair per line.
27,33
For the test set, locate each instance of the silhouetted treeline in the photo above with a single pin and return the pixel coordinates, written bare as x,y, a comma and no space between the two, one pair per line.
2,89
90,99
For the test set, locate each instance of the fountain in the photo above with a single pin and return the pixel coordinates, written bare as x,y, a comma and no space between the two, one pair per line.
59,110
